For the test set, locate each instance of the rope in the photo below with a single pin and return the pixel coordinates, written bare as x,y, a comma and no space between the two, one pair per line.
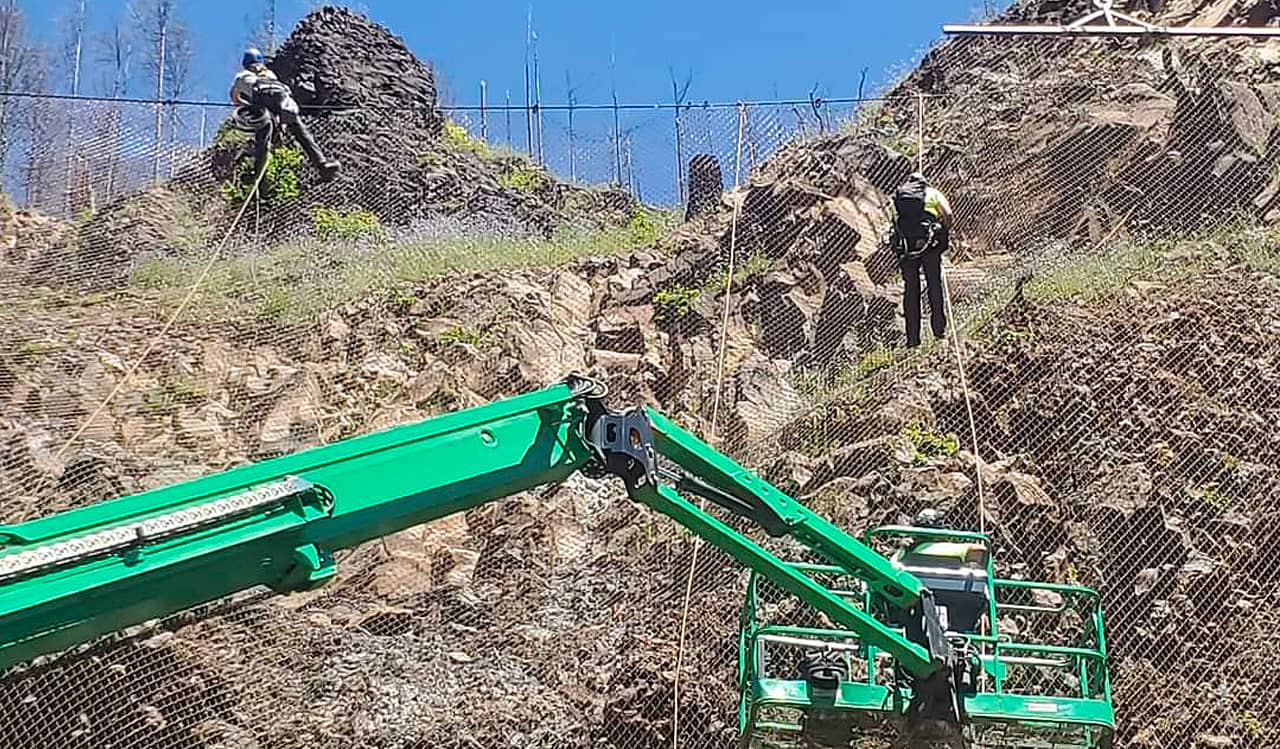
155,340
715,418
956,344
958,349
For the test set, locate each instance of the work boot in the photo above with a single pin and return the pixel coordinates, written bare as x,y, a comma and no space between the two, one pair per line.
329,170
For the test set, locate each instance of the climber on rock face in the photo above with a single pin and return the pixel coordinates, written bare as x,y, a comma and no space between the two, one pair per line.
258,89
919,236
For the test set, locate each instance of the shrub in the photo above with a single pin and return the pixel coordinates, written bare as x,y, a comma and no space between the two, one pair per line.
351,225
456,136
523,180
280,183
673,304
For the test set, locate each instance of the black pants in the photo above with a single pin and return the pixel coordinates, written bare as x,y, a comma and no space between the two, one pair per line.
930,262
275,102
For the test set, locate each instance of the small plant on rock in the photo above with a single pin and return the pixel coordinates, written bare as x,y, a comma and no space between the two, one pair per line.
456,136
642,228
349,225
929,445
673,304
280,182
460,334
520,179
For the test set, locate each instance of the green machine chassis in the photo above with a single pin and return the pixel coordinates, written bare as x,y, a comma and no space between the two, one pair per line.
70,578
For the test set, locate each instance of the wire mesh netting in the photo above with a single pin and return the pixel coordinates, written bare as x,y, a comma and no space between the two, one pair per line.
1103,409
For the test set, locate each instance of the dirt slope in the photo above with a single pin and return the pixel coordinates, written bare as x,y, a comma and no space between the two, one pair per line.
1126,435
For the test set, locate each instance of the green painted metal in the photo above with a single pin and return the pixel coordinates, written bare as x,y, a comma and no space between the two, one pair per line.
372,486
71,577
997,715
913,657
361,489
844,550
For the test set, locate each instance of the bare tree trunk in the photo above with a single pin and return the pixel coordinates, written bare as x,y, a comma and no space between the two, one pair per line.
13,60
39,132
76,54
155,22
116,50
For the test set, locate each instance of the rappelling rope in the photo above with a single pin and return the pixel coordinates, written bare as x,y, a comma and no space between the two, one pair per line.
715,418
958,348
155,340
956,345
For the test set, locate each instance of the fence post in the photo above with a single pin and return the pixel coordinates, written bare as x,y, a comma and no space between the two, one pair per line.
509,143
679,158
617,142
484,113
573,162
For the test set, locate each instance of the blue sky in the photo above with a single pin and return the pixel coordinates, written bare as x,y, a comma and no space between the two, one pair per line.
734,49
753,49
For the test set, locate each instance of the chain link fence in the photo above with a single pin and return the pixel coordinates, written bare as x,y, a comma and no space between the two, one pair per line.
1101,402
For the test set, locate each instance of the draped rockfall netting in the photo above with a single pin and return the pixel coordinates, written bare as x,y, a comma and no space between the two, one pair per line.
1103,408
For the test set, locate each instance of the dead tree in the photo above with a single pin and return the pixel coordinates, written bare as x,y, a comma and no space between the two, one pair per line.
114,53
15,56
154,21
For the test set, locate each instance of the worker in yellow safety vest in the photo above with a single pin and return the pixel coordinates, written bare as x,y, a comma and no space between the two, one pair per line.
965,609
921,231
967,552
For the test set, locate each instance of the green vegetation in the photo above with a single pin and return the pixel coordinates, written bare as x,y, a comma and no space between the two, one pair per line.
169,396
456,137
291,282
280,183
815,435
873,361
230,136
875,119
32,349
929,445
350,225
1089,277
521,178
1252,725
676,302
155,273
465,335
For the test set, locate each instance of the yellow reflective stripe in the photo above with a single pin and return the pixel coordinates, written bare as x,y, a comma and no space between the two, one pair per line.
935,202
945,549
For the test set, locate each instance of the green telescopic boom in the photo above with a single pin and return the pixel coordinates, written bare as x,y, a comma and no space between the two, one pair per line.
71,577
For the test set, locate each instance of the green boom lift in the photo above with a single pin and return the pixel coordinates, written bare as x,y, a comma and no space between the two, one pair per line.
69,578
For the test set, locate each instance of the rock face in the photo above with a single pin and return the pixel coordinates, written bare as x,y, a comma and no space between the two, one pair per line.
339,59
1127,443
706,185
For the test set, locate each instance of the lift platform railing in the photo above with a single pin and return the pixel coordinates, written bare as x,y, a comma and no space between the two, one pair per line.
776,701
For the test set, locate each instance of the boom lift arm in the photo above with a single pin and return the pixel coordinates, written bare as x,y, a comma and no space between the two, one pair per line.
68,578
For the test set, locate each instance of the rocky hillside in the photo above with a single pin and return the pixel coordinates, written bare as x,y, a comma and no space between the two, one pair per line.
1121,399
407,169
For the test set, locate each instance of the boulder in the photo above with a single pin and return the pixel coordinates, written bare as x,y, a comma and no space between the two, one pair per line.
766,402
706,186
